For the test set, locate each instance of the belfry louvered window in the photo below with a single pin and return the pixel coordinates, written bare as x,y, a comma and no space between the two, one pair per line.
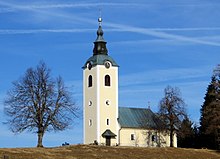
90,81
107,80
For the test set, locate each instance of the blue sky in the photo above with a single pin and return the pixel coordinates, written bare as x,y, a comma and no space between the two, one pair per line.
156,43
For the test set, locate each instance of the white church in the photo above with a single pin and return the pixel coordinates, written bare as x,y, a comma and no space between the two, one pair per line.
105,123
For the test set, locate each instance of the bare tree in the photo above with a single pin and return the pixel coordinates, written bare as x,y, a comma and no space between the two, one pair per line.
172,110
39,103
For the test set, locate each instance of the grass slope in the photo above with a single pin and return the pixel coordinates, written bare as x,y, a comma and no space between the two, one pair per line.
102,152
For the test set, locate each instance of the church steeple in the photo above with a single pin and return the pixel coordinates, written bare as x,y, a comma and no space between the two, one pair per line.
100,52
100,43
100,95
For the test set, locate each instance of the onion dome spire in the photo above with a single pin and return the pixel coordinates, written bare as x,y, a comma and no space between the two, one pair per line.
100,43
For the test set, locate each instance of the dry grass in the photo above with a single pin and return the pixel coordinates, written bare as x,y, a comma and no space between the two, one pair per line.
102,152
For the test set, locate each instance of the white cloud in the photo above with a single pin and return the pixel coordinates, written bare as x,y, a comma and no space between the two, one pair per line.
164,35
186,29
140,30
139,88
6,10
88,4
156,76
48,13
33,31
2,96
69,5
78,30
83,5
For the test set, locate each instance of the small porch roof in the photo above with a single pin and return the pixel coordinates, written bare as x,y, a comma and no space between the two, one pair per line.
108,133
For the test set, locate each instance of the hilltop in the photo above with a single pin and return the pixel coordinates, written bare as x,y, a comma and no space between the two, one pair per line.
102,152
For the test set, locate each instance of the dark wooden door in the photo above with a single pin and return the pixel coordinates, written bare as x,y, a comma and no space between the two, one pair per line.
108,141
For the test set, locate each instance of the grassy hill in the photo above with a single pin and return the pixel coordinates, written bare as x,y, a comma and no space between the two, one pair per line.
102,152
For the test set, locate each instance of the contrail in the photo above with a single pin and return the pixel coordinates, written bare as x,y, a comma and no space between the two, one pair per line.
163,34
119,27
32,31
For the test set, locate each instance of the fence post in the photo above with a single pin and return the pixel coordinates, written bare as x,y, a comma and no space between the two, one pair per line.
5,157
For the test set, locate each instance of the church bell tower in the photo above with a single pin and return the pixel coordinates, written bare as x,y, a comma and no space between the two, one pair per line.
100,95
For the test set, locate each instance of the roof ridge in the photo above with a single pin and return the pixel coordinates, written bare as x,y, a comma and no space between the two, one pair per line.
135,108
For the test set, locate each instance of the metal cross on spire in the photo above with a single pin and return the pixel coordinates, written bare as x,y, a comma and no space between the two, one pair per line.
100,17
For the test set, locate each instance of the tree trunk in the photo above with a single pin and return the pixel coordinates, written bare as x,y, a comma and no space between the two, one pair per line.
171,138
40,139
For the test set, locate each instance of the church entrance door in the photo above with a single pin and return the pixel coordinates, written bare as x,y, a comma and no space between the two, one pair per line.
108,135
108,141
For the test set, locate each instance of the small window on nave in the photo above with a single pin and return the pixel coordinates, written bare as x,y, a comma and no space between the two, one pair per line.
132,137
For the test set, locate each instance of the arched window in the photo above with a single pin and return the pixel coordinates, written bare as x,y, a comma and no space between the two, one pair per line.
90,81
90,122
132,137
107,80
107,121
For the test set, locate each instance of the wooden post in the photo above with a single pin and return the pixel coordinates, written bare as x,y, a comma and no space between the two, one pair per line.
5,157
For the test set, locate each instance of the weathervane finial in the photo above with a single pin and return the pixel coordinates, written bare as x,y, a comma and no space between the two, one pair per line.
100,21
100,17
